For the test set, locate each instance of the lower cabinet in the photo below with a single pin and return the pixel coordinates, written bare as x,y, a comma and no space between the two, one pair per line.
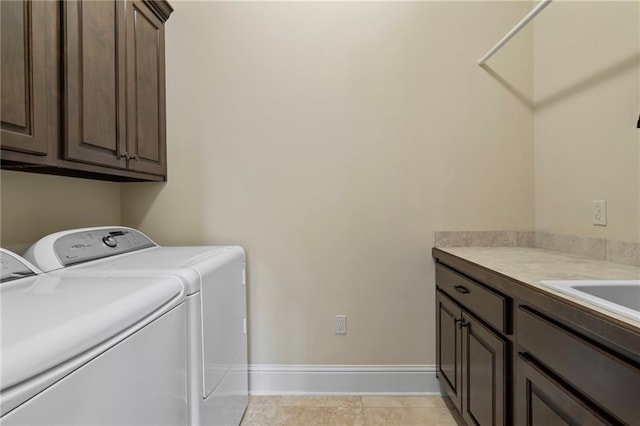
471,364
510,355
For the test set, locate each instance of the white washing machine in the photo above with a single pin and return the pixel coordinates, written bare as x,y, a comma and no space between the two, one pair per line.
90,350
214,277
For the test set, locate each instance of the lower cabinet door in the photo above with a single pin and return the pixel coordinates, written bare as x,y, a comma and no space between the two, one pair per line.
484,355
449,352
542,400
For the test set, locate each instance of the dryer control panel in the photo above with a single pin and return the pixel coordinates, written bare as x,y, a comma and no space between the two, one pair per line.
67,248
82,246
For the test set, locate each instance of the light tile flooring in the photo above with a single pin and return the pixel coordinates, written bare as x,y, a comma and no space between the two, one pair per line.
349,411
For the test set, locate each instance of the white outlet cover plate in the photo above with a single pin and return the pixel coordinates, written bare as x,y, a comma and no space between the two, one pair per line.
599,212
341,324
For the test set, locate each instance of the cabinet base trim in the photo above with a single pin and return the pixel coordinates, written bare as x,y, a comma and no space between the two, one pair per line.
286,379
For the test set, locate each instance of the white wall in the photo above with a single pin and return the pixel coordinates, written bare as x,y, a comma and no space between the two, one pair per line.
331,139
587,96
35,205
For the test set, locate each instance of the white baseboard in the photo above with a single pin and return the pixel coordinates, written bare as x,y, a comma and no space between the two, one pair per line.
284,379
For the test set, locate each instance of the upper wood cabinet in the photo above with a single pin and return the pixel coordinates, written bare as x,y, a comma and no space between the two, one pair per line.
146,134
107,88
94,82
22,71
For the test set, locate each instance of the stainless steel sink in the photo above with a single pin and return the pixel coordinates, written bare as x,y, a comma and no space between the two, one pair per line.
619,296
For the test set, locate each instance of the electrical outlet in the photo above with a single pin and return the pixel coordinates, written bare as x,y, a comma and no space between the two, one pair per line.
341,324
599,213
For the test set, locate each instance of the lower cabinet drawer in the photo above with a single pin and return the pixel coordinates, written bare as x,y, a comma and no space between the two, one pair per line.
485,303
542,400
609,382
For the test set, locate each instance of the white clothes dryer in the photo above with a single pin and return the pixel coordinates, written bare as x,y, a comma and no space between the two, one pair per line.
90,350
214,278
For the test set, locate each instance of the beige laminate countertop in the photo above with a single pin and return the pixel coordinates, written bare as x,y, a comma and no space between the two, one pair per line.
532,265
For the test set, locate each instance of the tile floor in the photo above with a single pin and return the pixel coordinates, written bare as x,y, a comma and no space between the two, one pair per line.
349,411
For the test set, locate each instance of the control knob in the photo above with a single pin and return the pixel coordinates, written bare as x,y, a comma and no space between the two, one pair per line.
110,241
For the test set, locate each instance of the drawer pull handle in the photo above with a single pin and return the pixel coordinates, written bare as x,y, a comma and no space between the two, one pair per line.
464,323
461,289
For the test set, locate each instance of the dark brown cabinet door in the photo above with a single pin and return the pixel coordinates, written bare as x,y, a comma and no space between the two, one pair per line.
449,351
484,355
96,68
146,139
94,82
543,401
23,73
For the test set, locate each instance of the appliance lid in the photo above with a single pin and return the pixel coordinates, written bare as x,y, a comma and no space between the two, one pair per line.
47,320
15,267
189,264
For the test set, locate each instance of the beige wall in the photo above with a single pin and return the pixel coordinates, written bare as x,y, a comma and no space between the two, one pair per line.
587,93
35,205
331,139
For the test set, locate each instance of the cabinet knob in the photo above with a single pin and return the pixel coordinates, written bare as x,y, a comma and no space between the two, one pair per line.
122,155
463,323
133,157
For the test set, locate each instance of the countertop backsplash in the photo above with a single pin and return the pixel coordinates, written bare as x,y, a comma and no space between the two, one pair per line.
624,252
